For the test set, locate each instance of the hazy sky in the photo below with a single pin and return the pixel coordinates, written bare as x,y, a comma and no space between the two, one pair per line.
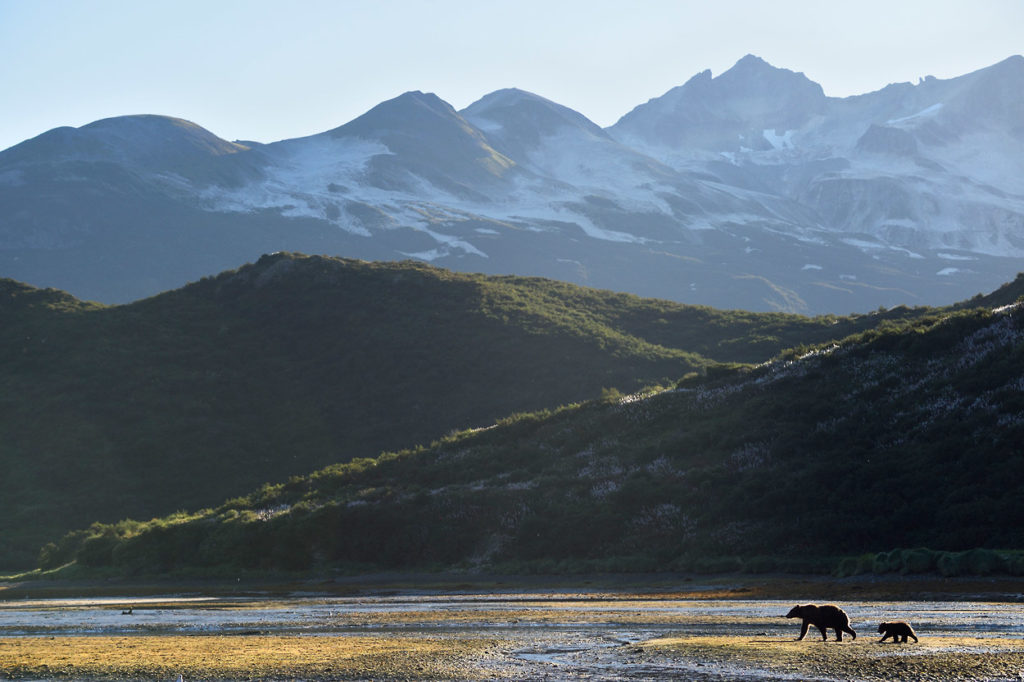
267,70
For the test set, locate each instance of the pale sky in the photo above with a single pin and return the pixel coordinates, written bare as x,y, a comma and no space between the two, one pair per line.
268,70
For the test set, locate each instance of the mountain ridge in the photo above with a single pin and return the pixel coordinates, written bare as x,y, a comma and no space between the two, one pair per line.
760,193
295,362
831,457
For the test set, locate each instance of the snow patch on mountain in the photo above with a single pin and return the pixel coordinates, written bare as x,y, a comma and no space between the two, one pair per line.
914,119
604,169
448,244
310,177
784,141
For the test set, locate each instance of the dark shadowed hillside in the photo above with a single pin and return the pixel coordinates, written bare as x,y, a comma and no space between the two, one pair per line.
293,363
903,436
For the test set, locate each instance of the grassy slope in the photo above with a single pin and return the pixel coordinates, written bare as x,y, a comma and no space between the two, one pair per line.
293,363
906,435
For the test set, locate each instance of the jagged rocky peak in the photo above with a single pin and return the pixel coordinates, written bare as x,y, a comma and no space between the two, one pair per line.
753,74
755,91
726,112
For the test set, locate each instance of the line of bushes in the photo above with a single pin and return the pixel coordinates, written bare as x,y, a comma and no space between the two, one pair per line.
975,562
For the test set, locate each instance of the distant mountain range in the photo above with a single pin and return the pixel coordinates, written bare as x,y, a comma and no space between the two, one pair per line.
752,189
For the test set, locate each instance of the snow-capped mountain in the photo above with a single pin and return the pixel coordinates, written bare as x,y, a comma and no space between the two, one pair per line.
752,189
726,113
939,165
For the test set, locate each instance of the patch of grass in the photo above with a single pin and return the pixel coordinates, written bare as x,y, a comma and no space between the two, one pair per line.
218,657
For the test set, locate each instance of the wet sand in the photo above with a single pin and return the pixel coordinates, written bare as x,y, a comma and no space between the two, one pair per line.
695,632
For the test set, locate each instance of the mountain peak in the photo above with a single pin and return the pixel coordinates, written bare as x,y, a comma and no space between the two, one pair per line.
518,112
716,113
413,109
144,123
752,61
753,72
1015,61
150,129
420,98
426,138
163,142
994,95
502,98
1011,68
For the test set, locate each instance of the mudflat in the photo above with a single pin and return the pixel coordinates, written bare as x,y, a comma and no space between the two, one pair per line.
669,628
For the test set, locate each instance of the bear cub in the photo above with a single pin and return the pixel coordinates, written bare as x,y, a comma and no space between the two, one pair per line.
823,618
898,630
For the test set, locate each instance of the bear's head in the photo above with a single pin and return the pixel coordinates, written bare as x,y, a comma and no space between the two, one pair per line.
799,611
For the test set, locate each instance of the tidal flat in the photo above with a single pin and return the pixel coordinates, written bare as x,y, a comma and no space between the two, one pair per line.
667,629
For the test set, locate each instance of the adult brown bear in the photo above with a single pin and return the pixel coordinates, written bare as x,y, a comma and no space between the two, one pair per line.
823,618
898,630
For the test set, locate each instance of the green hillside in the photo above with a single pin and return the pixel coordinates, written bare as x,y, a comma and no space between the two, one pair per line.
903,436
294,363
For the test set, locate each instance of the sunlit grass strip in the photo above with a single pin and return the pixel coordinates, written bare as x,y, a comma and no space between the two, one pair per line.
938,658
245,657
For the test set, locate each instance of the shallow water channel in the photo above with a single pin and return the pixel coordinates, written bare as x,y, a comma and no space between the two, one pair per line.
558,636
